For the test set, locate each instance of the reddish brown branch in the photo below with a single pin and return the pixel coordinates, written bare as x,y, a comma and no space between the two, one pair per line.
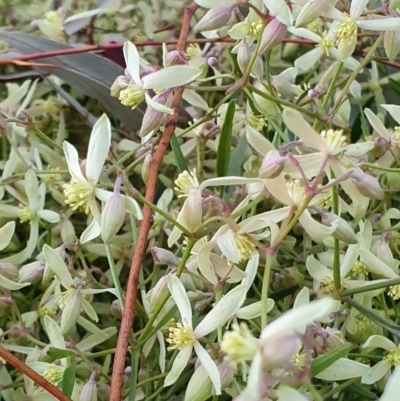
26,370
143,43
145,225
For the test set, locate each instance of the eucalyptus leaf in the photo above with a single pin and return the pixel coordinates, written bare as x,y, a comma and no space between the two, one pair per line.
89,74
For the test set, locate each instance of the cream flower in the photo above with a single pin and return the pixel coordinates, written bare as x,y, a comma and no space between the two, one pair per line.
185,337
82,191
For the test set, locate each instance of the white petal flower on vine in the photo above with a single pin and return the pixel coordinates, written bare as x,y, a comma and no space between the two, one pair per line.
391,359
136,90
82,191
185,337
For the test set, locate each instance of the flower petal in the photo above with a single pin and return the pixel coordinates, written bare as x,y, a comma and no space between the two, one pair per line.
222,312
32,189
383,24
377,124
194,99
215,4
55,263
6,233
258,142
280,10
181,299
343,369
99,146
393,110
157,106
209,366
92,231
178,366
315,230
391,392
132,60
378,341
10,284
357,7
53,332
171,77
300,127
72,158
308,60
285,393
317,270
376,373
297,319
49,216
375,265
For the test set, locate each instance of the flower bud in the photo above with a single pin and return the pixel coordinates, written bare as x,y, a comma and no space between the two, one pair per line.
310,12
343,231
215,18
8,270
71,311
31,272
199,387
116,309
355,89
89,390
391,44
273,34
67,230
152,118
113,215
383,252
213,62
272,165
175,57
243,55
121,82
367,185
144,172
162,256
156,294
266,105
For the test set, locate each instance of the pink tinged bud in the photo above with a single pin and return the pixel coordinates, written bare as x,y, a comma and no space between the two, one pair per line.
272,166
391,44
175,57
215,18
310,12
152,118
113,215
89,390
384,252
273,34
116,309
367,185
343,231
288,346
8,270
213,62
31,272
156,294
162,256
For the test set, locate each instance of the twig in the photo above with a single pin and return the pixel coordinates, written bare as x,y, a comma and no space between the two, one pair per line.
145,225
26,370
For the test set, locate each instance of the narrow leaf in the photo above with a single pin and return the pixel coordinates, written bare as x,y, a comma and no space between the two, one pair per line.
180,159
322,362
224,146
68,381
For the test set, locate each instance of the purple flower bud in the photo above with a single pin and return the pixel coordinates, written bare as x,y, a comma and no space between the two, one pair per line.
215,18
175,57
367,185
273,34
213,62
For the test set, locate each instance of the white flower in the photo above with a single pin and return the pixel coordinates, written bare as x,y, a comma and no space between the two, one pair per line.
31,210
82,191
346,32
325,45
133,93
391,359
185,338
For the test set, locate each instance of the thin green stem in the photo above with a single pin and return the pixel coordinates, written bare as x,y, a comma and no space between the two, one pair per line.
134,374
161,304
336,252
332,86
353,76
376,167
117,284
370,287
156,209
264,290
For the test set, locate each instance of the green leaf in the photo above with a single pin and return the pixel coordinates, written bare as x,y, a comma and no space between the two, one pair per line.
89,74
58,353
395,85
375,317
180,159
224,146
322,362
68,381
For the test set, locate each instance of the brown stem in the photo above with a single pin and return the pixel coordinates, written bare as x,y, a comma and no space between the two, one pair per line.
145,225
26,370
